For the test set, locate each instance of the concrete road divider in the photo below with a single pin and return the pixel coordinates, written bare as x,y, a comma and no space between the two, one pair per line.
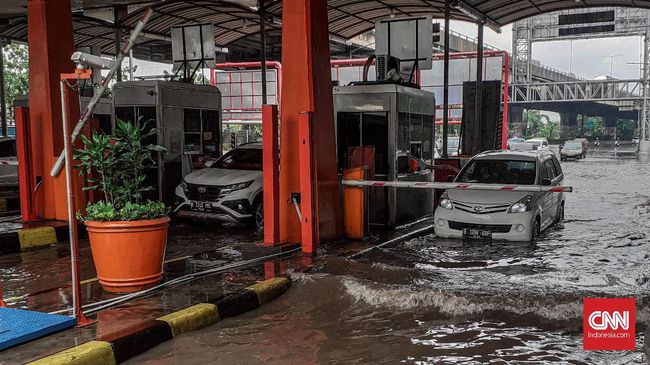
123,345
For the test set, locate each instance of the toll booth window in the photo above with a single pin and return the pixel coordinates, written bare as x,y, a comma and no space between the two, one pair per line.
147,117
403,142
192,131
211,133
348,131
125,113
375,134
427,138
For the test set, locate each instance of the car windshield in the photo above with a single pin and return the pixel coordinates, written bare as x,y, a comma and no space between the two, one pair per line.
573,145
499,172
240,159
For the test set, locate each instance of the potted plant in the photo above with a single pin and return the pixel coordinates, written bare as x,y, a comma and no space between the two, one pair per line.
127,234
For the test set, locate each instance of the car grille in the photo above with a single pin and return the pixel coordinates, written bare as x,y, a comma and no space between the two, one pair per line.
484,209
204,193
497,228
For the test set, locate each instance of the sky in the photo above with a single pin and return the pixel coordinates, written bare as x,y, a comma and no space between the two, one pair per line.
589,59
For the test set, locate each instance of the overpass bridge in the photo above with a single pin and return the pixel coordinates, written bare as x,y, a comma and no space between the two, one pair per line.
609,98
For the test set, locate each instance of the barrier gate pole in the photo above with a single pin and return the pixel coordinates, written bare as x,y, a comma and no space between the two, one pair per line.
72,219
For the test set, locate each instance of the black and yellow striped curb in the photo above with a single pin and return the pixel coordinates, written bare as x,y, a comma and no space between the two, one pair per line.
123,345
26,238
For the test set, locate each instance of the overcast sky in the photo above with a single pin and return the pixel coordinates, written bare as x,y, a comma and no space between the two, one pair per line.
590,57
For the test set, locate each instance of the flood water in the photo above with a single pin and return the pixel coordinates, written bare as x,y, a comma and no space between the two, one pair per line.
435,301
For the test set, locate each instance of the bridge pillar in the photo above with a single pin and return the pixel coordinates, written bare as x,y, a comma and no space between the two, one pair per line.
568,121
516,127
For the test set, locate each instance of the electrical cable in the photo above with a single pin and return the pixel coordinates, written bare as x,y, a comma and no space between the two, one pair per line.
394,240
104,304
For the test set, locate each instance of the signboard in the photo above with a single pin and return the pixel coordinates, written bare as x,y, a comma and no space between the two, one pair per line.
409,39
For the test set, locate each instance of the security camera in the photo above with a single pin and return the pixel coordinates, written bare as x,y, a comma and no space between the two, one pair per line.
84,60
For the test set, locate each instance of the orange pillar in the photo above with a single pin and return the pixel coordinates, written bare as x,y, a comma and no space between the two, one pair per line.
51,44
307,87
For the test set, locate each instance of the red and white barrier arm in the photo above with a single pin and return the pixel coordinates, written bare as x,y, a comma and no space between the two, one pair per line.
9,162
459,186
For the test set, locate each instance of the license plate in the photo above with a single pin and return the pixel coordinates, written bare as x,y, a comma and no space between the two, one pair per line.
200,206
477,233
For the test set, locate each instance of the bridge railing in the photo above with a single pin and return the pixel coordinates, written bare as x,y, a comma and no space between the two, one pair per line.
588,90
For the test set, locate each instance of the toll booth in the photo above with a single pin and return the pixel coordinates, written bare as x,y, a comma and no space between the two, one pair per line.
189,119
398,121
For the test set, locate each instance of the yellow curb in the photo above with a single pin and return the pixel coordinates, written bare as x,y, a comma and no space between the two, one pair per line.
270,289
3,204
191,318
89,353
34,237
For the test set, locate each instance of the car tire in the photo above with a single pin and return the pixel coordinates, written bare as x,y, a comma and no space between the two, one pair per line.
535,230
257,220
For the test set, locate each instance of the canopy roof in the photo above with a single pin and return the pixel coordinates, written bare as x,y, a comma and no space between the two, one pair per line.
236,22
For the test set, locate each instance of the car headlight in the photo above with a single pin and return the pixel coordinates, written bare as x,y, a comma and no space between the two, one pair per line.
523,205
228,188
445,202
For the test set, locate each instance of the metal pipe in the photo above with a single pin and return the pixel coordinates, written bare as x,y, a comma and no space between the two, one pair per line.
126,47
72,221
130,65
263,49
478,106
445,107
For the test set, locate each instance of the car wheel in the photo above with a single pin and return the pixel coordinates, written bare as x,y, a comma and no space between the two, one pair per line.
535,230
257,220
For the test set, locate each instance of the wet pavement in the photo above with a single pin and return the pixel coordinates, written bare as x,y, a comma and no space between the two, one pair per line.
441,301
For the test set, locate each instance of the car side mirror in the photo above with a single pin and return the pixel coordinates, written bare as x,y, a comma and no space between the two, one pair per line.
451,178
547,182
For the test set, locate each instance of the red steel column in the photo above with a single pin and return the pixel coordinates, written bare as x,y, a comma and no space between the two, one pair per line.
307,86
51,44
271,174
309,233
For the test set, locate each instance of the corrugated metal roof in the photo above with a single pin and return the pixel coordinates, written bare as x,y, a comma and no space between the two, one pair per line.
234,21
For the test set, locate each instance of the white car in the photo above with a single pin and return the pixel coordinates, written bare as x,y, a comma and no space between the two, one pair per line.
541,142
502,215
229,190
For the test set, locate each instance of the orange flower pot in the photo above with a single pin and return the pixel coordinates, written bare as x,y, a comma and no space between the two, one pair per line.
128,255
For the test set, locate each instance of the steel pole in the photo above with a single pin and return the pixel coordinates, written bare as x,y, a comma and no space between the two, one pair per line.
478,107
263,49
3,97
445,107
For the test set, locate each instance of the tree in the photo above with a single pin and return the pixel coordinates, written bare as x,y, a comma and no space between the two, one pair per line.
535,121
626,129
550,130
16,65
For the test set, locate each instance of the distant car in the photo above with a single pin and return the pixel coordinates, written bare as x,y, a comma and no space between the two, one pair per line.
515,140
542,143
585,145
229,190
572,149
500,214
453,146
635,140
523,146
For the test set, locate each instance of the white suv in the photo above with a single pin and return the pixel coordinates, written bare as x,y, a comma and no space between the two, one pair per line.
504,215
229,190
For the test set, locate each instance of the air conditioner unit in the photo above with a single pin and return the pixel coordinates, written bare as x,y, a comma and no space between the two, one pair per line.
384,64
